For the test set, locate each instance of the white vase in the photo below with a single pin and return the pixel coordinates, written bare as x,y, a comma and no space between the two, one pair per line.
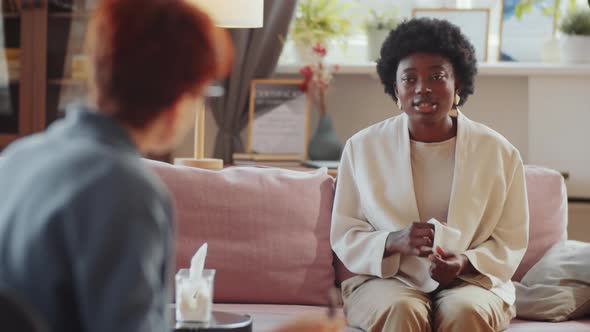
575,49
375,38
304,53
551,50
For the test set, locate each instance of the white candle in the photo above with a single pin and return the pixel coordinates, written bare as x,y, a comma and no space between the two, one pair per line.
193,301
194,296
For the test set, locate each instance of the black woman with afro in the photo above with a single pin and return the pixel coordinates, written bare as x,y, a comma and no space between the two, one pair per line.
430,210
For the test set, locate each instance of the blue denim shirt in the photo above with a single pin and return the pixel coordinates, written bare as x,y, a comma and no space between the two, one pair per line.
86,232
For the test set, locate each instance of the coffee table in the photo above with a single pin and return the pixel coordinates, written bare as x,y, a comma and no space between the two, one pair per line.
221,321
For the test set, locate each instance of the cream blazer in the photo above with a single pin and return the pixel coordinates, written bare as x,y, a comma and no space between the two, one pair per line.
488,205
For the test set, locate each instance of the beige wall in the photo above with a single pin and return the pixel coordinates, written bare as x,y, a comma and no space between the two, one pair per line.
579,222
357,101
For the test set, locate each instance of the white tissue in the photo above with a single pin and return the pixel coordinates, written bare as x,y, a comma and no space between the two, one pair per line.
445,237
193,294
415,271
198,262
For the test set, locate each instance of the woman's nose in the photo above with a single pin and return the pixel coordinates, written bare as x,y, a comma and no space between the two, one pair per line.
422,88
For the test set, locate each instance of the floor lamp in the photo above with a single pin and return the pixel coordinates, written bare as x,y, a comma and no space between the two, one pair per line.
226,14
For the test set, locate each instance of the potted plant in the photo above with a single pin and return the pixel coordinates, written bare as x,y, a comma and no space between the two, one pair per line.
324,144
377,27
573,44
318,21
575,41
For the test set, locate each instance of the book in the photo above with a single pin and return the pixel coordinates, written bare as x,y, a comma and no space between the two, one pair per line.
273,163
267,157
330,164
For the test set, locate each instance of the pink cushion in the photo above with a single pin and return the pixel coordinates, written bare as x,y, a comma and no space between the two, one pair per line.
547,198
268,230
268,318
517,325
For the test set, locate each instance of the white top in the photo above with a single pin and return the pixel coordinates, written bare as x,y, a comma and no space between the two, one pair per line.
488,205
432,171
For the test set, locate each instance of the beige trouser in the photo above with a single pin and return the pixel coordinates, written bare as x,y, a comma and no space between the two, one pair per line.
375,304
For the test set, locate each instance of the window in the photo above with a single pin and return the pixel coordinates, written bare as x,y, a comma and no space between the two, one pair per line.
356,51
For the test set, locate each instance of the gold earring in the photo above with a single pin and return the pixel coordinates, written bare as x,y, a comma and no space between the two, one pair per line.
399,104
457,99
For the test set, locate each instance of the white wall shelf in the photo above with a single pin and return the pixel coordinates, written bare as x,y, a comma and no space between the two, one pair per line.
489,69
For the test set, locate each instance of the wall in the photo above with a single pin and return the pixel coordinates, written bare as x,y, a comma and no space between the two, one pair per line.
559,121
357,101
579,222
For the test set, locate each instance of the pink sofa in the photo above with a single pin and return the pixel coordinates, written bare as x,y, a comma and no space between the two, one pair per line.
268,236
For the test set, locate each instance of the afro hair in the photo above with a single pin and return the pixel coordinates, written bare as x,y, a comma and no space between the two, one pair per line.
427,35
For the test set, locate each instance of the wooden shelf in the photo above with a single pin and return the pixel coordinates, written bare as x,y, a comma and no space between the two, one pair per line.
6,139
14,81
10,15
66,81
77,15
486,68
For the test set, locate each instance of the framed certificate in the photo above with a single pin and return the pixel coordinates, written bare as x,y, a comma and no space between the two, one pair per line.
278,120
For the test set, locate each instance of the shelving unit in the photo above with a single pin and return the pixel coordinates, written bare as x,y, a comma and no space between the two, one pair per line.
82,15
50,38
66,81
487,69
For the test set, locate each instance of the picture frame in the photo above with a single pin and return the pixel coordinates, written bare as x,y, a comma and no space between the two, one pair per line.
278,118
523,39
473,22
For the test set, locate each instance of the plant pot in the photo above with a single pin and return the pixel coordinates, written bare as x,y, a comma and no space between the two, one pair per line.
375,38
575,49
304,53
550,52
324,145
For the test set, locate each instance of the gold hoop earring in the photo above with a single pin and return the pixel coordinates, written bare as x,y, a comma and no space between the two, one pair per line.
399,104
457,99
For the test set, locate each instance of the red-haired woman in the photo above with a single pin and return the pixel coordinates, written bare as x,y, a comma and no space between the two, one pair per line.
85,230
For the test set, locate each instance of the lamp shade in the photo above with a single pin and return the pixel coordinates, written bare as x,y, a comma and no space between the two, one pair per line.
234,13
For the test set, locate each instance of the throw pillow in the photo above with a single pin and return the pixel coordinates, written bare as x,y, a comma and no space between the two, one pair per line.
547,199
557,288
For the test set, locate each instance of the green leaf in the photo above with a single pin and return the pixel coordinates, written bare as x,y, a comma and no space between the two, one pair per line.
576,22
518,11
320,21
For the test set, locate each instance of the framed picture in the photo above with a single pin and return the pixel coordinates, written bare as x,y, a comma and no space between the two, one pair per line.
278,118
474,23
522,38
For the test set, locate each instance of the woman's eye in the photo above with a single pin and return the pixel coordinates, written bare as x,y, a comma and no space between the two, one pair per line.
438,76
408,79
